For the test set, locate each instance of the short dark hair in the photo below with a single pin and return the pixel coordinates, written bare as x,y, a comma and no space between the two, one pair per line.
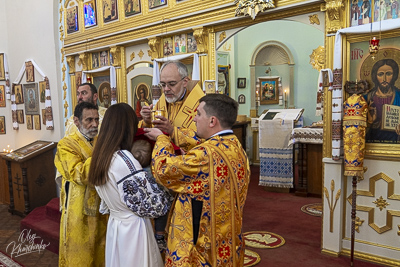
81,106
382,62
141,150
221,106
92,87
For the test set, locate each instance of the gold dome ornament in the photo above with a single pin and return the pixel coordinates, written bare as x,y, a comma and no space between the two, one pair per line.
252,7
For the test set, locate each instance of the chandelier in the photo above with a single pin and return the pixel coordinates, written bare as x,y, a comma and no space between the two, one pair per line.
252,7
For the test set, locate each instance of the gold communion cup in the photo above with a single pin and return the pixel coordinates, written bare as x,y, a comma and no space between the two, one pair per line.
155,113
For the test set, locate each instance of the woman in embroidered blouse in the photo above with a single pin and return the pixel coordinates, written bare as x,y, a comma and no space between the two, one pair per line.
126,191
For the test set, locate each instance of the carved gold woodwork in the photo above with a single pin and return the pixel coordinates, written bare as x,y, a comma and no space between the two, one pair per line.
63,71
71,64
317,58
115,52
61,33
83,61
380,203
201,36
154,44
222,36
132,56
331,203
141,54
335,18
358,223
314,19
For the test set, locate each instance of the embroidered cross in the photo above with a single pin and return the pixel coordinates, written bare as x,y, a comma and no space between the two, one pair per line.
190,114
179,227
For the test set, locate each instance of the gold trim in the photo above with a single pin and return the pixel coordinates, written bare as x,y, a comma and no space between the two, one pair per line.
330,252
371,258
372,244
71,64
317,58
331,204
115,52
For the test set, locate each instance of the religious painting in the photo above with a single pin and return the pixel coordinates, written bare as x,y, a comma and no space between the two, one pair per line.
78,79
157,3
386,9
44,116
29,124
36,122
242,99
223,80
31,98
72,19
269,91
95,60
179,44
42,90
105,94
104,58
2,96
381,72
19,95
209,87
89,13
2,69
191,43
241,82
168,46
131,7
2,125
110,10
20,116
142,97
31,148
30,71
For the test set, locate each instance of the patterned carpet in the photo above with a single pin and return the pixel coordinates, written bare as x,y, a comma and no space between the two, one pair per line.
259,239
6,261
313,209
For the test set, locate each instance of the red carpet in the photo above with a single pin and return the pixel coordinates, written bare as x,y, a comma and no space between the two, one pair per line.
281,213
7,261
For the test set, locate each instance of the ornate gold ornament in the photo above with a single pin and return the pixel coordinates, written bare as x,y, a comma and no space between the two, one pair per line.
314,19
225,47
317,58
115,52
201,36
398,232
141,54
381,203
61,33
132,56
335,10
358,223
71,64
331,204
222,36
252,7
154,44
83,60
63,71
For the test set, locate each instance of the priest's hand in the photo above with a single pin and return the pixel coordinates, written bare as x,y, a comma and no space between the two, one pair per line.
163,124
145,112
152,133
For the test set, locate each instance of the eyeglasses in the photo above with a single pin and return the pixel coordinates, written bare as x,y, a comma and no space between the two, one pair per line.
171,84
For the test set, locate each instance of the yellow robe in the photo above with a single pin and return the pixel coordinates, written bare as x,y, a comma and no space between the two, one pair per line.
217,173
180,113
82,237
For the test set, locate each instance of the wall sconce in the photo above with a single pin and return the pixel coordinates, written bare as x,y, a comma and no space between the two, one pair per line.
267,71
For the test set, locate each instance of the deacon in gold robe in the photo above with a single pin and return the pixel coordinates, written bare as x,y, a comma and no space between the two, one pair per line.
178,100
82,228
211,181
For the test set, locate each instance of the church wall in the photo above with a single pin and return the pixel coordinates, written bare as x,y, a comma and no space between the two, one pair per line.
31,35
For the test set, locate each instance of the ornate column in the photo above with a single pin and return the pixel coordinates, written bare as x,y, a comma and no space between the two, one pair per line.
201,36
118,54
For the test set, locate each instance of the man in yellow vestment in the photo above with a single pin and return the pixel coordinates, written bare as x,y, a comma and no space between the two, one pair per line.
211,180
82,228
178,101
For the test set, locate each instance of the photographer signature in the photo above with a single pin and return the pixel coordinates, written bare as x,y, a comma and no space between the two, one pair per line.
26,244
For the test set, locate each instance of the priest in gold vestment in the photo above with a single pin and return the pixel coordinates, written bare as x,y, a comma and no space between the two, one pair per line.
211,181
82,228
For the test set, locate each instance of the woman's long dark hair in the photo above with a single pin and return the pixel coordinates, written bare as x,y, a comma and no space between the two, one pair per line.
117,132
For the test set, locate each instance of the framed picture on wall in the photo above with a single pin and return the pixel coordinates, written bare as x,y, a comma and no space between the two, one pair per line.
30,71
241,82
19,95
2,96
2,125
180,44
95,60
2,71
105,94
20,116
131,7
223,79
191,43
157,3
31,98
168,46
89,13
42,90
269,91
242,99
209,87
104,58
110,10
29,124
44,116
36,122
72,19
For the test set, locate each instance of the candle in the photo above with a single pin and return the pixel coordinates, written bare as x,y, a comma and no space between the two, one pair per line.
257,96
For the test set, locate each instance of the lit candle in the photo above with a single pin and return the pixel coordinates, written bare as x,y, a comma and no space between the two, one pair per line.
257,96
284,96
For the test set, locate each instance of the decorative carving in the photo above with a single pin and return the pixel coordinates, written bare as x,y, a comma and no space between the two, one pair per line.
201,36
331,204
154,44
314,19
63,71
61,33
83,61
222,36
132,56
65,109
71,64
381,203
115,52
141,54
358,223
225,47
317,58
252,7
335,10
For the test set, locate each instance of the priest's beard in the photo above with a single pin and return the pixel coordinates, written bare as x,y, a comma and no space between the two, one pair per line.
385,88
91,133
